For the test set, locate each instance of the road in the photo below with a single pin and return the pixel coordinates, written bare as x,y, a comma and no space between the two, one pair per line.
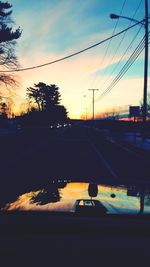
32,159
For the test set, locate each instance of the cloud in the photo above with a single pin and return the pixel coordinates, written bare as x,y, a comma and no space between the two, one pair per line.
128,91
53,29
73,76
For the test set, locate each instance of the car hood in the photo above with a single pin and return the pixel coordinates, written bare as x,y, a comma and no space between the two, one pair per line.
63,194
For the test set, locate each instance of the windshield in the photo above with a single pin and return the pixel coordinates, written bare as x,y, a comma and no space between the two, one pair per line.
101,175
78,197
68,143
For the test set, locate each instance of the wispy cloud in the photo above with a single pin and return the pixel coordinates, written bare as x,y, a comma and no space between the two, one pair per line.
56,28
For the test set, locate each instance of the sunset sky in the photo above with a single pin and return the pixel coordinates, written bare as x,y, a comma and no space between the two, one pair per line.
55,28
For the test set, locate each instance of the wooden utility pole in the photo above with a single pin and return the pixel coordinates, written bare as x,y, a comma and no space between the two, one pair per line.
93,90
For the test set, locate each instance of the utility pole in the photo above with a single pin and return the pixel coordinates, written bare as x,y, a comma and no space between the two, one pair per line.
145,22
93,90
145,63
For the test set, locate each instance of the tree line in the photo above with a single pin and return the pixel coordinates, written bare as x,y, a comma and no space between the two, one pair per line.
45,107
44,99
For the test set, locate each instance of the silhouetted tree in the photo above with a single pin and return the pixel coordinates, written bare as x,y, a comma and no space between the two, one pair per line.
3,113
58,114
3,109
34,95
6,105
50,194
47,196
45,96
8,58
49,110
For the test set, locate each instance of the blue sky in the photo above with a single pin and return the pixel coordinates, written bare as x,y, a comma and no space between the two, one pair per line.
55,28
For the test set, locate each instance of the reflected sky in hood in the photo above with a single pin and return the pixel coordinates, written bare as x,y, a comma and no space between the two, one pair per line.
62,196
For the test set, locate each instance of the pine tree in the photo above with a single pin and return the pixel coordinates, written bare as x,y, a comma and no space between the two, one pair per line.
47,99
45,96
8,38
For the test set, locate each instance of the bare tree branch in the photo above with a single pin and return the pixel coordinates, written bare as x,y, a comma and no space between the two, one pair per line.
8,59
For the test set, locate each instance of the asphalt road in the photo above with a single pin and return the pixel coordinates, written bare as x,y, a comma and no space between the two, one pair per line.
32,159
29,161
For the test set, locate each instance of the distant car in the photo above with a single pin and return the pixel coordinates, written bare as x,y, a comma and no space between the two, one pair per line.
89,207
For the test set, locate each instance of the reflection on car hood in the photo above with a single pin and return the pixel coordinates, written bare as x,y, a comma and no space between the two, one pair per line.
65,195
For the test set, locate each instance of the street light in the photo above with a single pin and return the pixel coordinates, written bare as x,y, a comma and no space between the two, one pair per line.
85,117
114,16
145,22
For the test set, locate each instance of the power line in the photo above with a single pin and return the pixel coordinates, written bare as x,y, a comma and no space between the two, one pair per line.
118,46
113,32
74,54
127,65
124,54
109,43
121,74
124,69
